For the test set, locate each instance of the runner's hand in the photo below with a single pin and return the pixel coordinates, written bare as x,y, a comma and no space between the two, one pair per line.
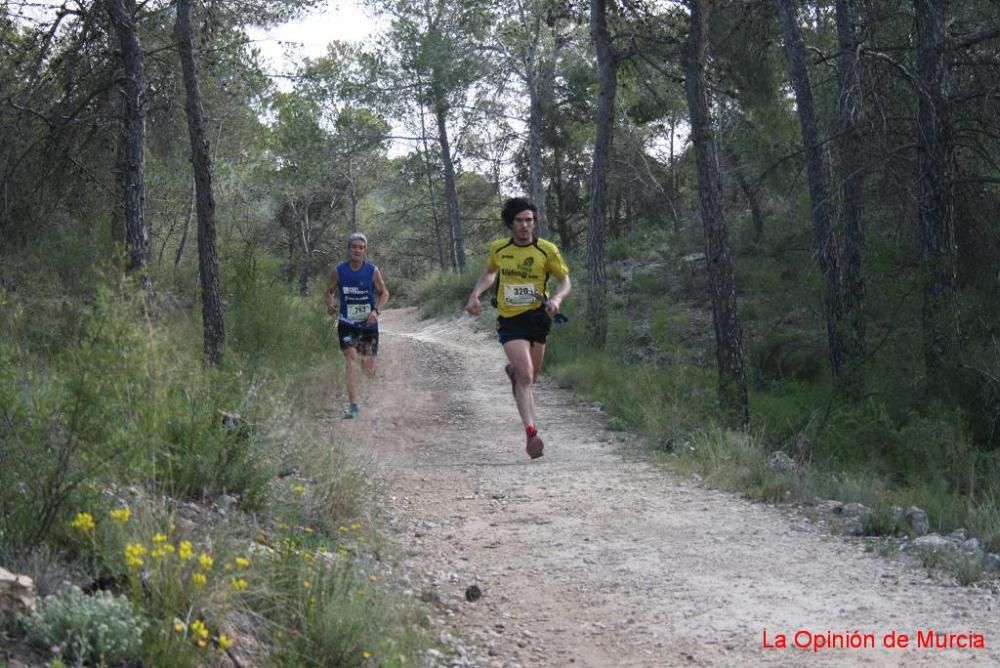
473,307
552,305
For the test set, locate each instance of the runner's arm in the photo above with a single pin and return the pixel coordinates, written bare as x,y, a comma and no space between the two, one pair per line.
472,305
563,288
381,300
331,296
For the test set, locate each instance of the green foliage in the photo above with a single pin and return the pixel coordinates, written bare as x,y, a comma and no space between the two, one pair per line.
98,630
969,568
445,293
98,397
881,521
267,326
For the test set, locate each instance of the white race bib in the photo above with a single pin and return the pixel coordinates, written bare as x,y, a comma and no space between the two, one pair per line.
519,294
358,312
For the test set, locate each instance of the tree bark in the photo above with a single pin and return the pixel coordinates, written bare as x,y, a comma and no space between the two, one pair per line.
438,241
721,279
562,224
935,197
213,327
597,294
535,116
123,13
450,189
824,242
849,109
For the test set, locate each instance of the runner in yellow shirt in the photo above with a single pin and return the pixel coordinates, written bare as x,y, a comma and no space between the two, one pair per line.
524,264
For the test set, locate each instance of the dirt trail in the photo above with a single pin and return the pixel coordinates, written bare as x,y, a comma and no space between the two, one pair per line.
588,558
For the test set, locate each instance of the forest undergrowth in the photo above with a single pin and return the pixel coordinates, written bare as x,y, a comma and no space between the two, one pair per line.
201,510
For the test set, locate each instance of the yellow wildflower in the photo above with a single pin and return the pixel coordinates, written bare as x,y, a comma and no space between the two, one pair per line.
201,642
198,579
178,626
242,562
120,515
185,550
225,642
308,530
366,655
342,529
83,522
134,553
205,561
157,553
306,584
356,526
372,577
159,538
239,584
299,489
198,629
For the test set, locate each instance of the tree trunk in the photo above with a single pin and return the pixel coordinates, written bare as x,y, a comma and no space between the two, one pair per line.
438,241
824,242
849,109
597,295
935,198
133,173
213,327
450,189
728,335
535,155
562,225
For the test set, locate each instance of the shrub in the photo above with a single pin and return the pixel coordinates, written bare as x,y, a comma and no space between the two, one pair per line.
445,293
98,630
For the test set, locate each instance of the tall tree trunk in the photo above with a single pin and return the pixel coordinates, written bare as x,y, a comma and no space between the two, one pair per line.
824,242
749,192
123,14
597,295
562,225
849,109
535,156
305,239
450,189
213,327
935,198
728,334
438,240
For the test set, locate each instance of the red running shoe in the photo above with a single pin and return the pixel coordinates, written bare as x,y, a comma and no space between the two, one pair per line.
535,446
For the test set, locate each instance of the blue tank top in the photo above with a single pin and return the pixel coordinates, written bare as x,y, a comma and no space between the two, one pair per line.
357,292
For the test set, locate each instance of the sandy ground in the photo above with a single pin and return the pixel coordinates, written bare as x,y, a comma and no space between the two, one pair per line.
591,557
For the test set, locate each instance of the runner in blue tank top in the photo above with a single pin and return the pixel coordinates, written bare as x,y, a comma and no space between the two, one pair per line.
356,294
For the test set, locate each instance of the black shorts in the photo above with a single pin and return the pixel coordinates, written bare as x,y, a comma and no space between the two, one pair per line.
531,326
364,340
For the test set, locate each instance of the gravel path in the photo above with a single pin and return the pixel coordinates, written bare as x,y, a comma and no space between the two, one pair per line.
587,557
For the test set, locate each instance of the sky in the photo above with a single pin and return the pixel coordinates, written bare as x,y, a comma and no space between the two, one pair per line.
339,20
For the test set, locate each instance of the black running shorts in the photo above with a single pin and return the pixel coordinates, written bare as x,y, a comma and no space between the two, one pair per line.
531,326
365,341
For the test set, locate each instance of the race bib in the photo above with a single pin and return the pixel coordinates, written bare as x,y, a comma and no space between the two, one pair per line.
358,312
519,294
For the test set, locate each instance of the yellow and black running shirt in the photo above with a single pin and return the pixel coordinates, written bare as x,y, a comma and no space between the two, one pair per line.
524,273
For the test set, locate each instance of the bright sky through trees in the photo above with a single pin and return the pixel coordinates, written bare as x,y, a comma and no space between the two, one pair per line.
285,46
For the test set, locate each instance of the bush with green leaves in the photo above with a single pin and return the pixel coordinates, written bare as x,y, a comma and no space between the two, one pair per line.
98,630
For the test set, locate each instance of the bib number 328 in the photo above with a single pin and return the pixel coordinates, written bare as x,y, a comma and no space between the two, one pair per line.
519,294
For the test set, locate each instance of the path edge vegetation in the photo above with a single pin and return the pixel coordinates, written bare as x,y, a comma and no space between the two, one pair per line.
655,380
172,511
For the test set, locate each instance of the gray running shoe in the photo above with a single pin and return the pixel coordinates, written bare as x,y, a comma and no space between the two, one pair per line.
351,412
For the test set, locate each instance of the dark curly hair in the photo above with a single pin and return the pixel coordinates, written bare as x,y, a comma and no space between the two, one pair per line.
514,206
